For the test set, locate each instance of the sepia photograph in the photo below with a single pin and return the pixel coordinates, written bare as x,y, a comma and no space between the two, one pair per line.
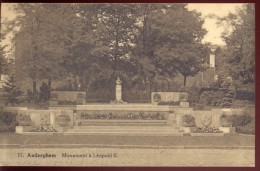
127,84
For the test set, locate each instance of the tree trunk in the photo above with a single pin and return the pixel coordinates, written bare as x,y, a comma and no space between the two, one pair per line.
34,92
116,46
49,85
184,83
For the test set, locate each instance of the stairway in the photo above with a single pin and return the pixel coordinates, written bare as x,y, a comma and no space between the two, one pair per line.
125,129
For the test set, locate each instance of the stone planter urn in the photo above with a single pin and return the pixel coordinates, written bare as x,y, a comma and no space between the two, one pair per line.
24,120
225,121
63,120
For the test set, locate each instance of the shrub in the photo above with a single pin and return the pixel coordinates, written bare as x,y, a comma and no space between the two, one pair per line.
216,97
245,95
248,128
29,96
44,92
194,94
211,98
240,120
7,117
188,120
66,87
12,92
236,120
157,97
227,100
43,105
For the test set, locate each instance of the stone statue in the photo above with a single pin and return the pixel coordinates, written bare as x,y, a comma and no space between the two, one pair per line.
118,81
118,90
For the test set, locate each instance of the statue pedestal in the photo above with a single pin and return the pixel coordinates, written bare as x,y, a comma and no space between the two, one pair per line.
118,93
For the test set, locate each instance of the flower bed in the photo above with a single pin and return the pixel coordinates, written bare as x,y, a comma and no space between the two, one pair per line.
44,128
128,116
206,130
171,103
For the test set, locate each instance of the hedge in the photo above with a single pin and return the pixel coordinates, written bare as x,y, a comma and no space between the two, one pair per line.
7,121
245,95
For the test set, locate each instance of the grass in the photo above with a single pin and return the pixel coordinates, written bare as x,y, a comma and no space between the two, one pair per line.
228,141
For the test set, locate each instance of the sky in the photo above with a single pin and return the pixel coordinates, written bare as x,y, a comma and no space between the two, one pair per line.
214,32
221,10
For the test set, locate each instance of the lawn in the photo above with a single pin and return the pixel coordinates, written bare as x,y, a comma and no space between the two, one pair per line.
228,141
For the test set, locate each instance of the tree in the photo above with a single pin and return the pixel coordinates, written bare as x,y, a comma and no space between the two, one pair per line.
12,92
240,40
3,62
187,60
87,57
93,43
44,92
42,39
118,25
177,47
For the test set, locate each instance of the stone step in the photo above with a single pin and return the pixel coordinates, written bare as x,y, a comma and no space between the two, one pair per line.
122,121
122,124
127,133
126,127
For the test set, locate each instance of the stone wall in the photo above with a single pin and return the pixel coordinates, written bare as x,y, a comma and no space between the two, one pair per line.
210,117
47,117
169,96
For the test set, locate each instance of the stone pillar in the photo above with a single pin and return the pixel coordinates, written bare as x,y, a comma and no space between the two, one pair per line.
52,119
118,89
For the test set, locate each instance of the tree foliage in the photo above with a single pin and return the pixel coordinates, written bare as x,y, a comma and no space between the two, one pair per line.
12,92
176,45
92,43
240,40
3,61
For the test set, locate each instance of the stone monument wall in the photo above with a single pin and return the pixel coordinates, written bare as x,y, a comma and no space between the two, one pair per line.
48,117
210,118
169,97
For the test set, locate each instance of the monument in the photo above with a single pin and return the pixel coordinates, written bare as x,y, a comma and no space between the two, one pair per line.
118,90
